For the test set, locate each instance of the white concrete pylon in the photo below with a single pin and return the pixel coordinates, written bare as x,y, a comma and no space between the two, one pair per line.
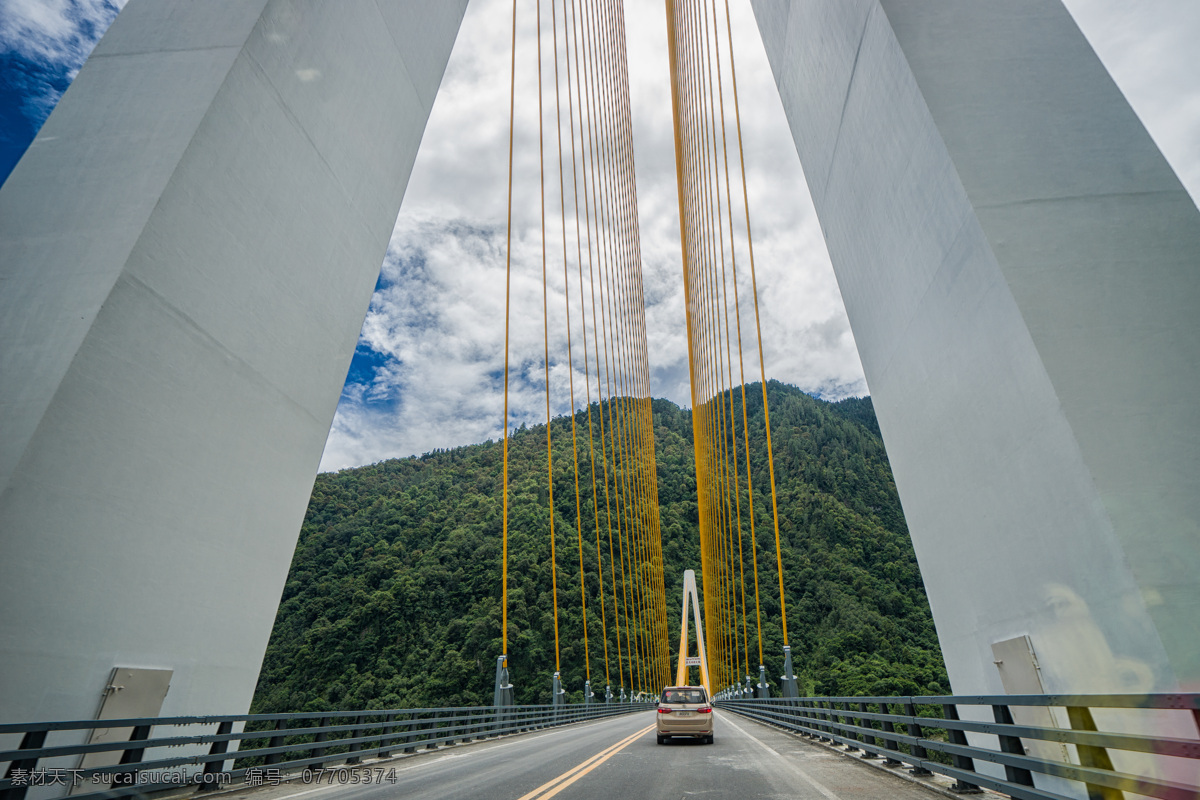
187,251
681,673
1017,261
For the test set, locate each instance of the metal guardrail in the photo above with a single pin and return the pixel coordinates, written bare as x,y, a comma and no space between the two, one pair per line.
932,725
275,744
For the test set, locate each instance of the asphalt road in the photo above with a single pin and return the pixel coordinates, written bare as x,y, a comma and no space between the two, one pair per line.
615,759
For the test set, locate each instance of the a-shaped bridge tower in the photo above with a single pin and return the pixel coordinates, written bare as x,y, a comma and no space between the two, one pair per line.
188,248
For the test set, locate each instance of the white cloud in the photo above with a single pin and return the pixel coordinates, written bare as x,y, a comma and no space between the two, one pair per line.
440,316
441,322
57,33
437,322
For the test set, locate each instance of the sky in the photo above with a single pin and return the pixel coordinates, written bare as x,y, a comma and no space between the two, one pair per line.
427,370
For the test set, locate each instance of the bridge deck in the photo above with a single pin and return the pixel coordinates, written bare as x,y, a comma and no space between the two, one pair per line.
620,761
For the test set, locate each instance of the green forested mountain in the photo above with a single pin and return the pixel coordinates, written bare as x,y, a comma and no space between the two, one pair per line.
393,598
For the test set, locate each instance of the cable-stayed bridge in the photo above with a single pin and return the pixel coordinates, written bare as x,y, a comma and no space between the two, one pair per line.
1017,261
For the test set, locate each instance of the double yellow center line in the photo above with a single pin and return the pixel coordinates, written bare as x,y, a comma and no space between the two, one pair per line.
553,787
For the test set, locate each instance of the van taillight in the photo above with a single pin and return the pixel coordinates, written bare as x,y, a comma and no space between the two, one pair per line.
667,710
705,709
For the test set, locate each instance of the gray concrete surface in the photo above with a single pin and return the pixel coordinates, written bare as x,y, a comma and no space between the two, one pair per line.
187,251
1018,263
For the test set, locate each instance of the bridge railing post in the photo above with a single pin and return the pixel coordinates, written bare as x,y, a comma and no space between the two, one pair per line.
277,740
356,746
1011,744
140,733
890,744
839,722
792,708
914,730
866,738
217,748
819,715
32,740
469,727
823,727
384,741
804,708
1080,718
431,730
322,736
961,762
411,731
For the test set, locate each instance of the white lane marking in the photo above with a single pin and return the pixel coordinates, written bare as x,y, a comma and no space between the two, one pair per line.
820,787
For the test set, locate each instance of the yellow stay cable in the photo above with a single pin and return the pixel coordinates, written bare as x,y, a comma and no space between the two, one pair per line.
725,365
695,50
596,330
618,326
758,331
604,256
621,355
604,253
583,315
507,296
623,320
729,429
676,102
562,194
702,409
742,380
704,183
711,212
587,136
741,366
618,197
711,360
716,246
546,338
641,373
693,255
